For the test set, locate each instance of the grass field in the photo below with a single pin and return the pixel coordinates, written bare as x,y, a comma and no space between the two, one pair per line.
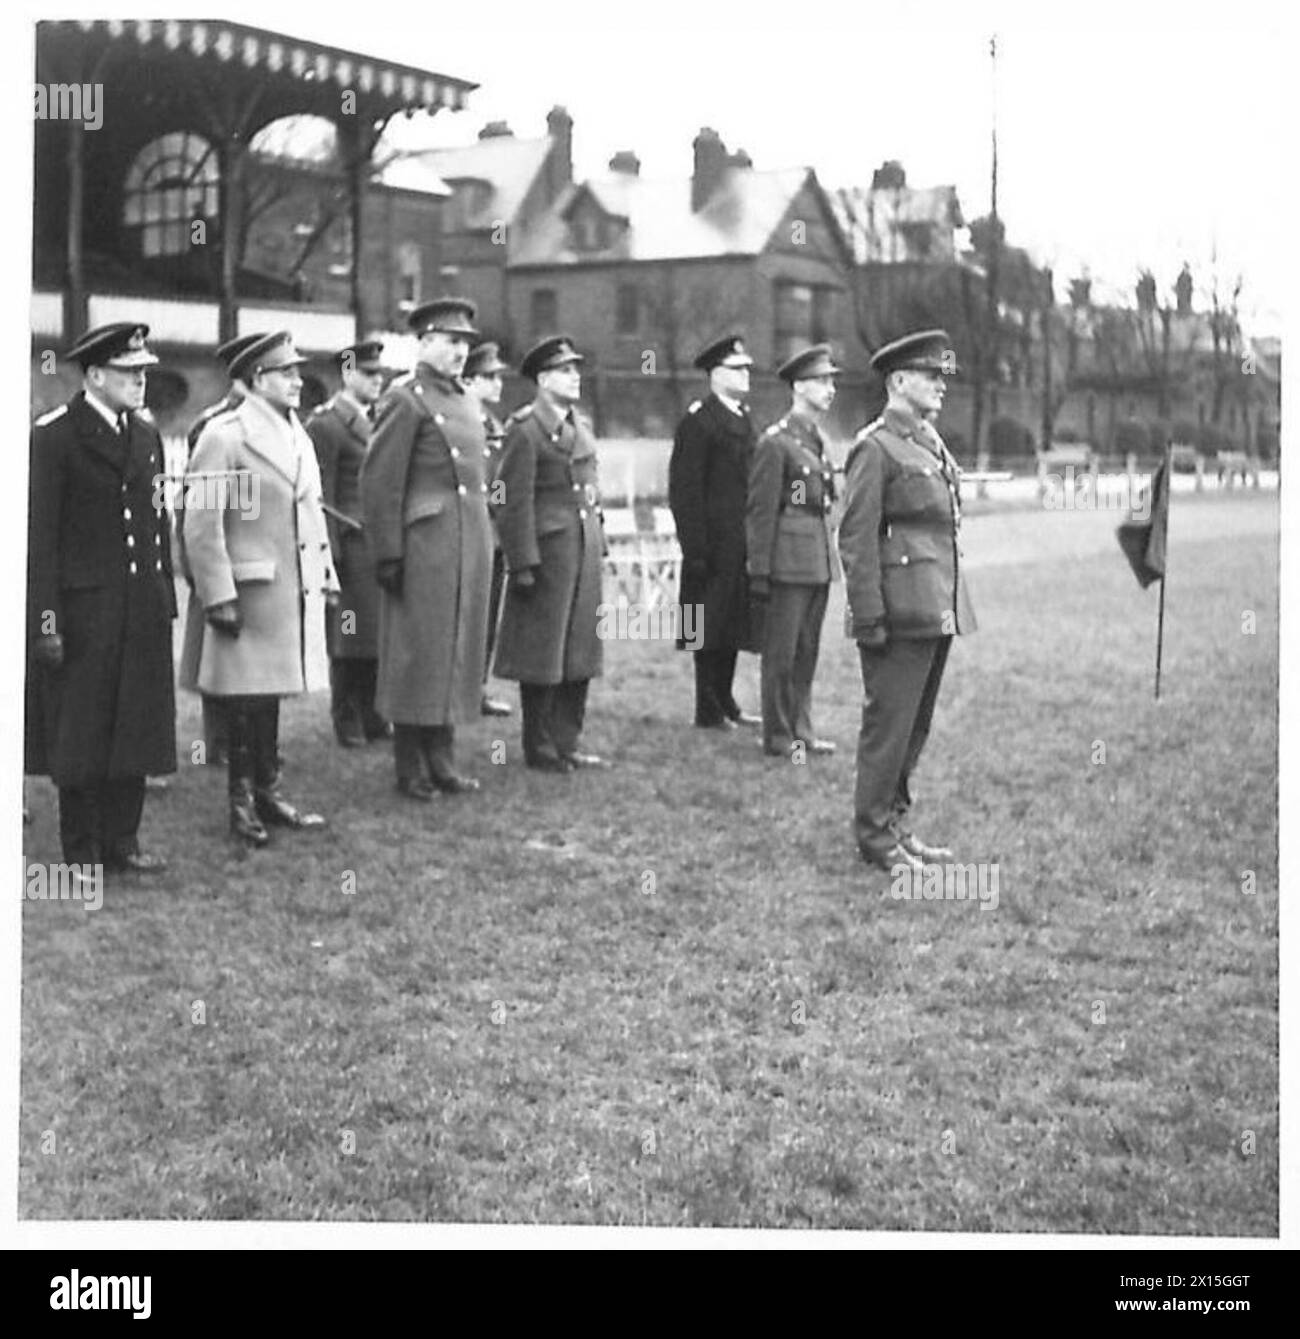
670,995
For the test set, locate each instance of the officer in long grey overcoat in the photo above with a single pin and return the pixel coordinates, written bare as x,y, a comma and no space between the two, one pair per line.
900,542
260,557
101,712
425,505
791,551
552,533
340,431
708,478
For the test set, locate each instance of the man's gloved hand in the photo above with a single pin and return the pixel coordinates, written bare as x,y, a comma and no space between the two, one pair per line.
760,588
523,582
225,618
874,638
48,650
389,572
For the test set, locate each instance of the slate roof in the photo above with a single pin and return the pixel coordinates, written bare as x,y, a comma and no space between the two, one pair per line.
508,165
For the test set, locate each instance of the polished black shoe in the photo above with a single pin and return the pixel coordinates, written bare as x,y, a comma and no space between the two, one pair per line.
889,859
417,788
913,845
547,762
576,759
138,862
739,717
493,706
373,726
722,723
821,746
244,822
272,807
452,783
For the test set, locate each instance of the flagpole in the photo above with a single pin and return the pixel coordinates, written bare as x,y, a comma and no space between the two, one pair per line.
1160,617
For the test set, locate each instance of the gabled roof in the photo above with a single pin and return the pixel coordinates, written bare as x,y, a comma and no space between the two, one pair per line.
508,165
738,220
873,218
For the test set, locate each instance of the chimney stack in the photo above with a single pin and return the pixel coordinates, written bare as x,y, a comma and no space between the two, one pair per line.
496,130
710,164
740,159
626,161
559,125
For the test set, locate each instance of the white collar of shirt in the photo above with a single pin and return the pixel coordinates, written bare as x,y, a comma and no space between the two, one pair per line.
102,409
734,405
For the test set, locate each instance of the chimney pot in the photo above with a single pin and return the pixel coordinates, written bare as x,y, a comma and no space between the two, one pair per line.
625,161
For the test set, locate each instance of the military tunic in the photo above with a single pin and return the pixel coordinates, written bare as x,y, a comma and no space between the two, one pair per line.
424,499
900,541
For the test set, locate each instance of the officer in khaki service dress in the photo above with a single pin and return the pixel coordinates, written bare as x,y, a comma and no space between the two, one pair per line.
900,544
425,503
791,551
340,431
101,712
552,532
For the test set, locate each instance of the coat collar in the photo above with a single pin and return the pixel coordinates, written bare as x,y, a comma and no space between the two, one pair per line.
275,439
95,434
352,416
807,431
738,425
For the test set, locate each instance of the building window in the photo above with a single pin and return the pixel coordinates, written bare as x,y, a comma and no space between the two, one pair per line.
628,309
409,275
543,314
793,318
825,314
171,183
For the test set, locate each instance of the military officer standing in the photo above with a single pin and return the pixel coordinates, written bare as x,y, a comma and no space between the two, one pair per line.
899,541
100,603
791,552
553,537
482,378
708,478
340,431
264,574
424,499
214,727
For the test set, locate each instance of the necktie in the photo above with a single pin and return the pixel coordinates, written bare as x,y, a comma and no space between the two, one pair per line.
123,423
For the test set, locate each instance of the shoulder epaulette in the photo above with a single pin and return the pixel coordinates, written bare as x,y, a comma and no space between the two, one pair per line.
521,413
695,406
51,416
870,428
776,427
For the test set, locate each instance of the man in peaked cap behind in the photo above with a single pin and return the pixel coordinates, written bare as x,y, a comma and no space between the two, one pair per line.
791,551
900,544
708,478
100,600
553,537
214,725
424,498
340,430
482,378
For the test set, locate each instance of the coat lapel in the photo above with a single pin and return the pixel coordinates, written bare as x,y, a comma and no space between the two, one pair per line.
96,436
272,438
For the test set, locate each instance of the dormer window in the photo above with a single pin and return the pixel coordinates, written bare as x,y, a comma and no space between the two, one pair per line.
588,232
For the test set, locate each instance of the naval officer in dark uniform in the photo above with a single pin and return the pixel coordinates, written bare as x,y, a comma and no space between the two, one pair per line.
101,712
900,544
791,551
482,378
552,532
340,431
708,478
424,496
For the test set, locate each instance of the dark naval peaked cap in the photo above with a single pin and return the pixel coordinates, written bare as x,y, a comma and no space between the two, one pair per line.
924,351
811,362
730,349
452,316
484,360
120,345
267,353
556,351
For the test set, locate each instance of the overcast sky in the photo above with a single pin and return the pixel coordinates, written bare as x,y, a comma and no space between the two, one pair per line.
1130,135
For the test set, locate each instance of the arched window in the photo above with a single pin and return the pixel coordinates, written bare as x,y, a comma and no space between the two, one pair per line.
172,182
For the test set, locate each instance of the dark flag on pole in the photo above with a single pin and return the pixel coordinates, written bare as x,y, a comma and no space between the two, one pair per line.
1143,541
